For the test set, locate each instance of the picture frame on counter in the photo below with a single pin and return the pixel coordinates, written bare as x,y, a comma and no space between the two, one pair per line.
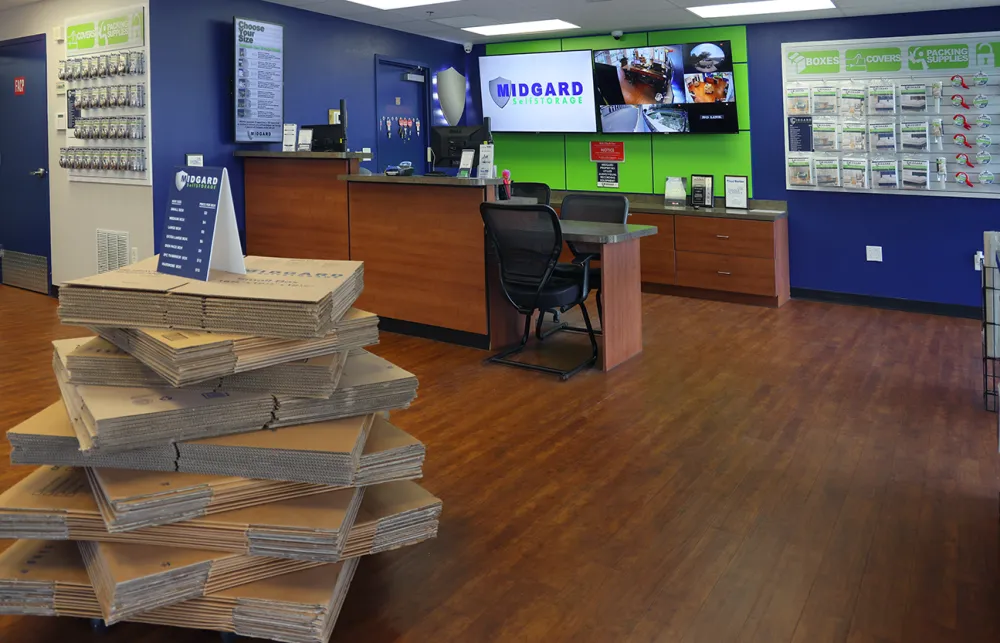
737,192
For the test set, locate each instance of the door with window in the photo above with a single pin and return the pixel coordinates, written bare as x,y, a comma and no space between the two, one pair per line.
24,165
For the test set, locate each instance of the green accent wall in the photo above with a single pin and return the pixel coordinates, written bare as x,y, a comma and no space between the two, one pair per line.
563,161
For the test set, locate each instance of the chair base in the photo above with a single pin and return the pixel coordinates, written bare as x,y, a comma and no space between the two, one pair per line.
565,326
502,356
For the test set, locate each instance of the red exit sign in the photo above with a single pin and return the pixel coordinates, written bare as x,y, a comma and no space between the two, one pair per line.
607,152
19,86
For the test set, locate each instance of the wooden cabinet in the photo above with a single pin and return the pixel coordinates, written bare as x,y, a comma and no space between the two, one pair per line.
657,252
726,258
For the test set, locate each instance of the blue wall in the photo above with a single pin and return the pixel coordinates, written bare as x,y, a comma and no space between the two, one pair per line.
326,59
928,242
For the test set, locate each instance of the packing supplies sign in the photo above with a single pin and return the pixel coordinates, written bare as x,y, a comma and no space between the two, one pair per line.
117,29
259,95
199,231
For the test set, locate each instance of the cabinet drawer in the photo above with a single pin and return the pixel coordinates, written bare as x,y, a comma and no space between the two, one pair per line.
725,236
749,275
656,253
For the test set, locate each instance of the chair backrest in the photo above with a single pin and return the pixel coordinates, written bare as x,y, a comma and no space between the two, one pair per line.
527,240
539,191
596,208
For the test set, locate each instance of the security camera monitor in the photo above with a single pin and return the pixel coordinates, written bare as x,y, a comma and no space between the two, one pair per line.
548,92
667,89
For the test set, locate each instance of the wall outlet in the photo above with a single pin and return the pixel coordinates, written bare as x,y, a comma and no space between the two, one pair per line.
979,258
134,257
873,253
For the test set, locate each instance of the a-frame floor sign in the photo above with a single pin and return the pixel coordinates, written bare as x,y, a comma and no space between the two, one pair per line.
200,228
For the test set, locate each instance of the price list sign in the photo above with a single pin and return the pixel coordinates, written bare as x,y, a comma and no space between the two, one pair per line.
259,81
199,231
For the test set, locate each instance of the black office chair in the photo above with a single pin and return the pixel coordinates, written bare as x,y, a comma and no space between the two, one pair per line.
597,208
527,241
539,191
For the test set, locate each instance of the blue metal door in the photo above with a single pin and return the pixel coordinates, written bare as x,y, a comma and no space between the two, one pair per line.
24,162
401,115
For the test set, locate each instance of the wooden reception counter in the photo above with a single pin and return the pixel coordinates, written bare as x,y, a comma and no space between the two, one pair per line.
295,205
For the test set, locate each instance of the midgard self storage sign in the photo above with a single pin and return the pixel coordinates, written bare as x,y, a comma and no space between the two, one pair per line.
259,96
551,92
118,29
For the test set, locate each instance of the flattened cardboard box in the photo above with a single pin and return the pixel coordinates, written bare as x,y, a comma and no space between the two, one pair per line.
294,298
95,361
305,453
184,357
55,503
50,579
110,419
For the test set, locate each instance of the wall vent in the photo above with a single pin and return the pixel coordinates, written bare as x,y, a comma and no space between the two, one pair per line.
112,250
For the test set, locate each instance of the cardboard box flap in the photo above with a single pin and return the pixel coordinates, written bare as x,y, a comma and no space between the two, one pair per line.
51,421
385,500
325,511
136,276
121,484
366,369
271,278
385,436
44,561
50,489
179,340
309,587
330,436
90,347
127,561
111,402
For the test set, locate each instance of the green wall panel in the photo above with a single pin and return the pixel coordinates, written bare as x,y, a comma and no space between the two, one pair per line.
532,157
525,47
742,80
716,154
737,34
604,42
634,175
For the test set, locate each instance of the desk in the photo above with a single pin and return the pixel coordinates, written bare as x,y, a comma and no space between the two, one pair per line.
621,284
295,206
422,241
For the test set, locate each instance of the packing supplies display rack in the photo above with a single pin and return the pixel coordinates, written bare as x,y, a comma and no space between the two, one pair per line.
106,71
912,115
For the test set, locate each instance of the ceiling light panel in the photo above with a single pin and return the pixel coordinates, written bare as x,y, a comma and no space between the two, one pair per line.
760,8
397,4
535,26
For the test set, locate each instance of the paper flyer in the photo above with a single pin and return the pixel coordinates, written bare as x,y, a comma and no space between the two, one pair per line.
916,174
852,102
885,174
854,173
824,100
914,136
797,101
882,137
854,136
825,136
800,171
913,98
882,100
828,172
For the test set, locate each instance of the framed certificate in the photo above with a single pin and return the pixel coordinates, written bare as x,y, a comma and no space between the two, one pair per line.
737,190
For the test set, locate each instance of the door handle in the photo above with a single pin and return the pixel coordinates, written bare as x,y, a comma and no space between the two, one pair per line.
40,172
723,272
722,236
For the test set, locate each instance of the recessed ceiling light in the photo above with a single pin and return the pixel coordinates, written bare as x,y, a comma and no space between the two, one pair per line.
759,8
397,4
522,27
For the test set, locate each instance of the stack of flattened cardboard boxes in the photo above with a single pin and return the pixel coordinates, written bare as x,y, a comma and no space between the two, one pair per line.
221,454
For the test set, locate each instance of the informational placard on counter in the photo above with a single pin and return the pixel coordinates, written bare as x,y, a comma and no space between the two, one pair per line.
199,231
259,96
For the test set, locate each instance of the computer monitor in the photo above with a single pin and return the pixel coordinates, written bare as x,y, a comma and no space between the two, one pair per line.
447,143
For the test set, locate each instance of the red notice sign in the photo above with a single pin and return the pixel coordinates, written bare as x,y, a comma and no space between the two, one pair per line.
19,86
607,152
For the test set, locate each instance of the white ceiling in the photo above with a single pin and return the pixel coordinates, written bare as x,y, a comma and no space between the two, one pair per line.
10,4
593,16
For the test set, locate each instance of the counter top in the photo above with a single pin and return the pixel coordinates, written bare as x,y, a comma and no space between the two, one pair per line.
591,232
264,154
652,204
417,179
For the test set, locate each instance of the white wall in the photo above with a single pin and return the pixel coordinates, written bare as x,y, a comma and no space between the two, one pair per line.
78,209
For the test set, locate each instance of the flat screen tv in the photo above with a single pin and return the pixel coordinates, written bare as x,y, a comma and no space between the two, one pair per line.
668,89
258,99
549,92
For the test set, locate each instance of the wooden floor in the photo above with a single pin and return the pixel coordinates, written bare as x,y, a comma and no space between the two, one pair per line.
810,474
